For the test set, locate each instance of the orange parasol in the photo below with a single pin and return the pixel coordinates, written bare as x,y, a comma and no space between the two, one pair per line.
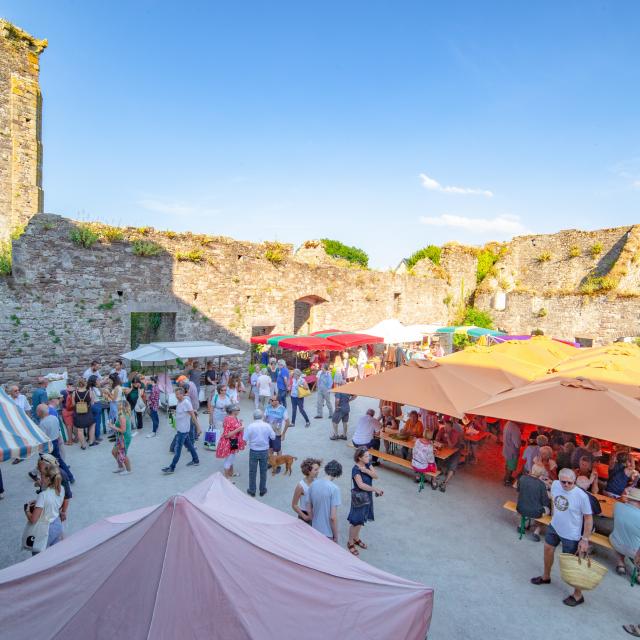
577,405
448,389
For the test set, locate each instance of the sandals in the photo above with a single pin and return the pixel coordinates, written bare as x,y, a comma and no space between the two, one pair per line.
353,549
361,544
621,570
570,601
633,629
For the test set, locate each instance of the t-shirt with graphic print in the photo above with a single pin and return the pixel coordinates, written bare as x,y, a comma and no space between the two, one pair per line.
569,509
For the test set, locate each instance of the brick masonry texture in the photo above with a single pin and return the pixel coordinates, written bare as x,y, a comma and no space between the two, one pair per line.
21,193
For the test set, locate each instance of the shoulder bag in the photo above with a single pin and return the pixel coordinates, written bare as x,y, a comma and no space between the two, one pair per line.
303,392
360,498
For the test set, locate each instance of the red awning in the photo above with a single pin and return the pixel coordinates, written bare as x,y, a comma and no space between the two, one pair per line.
263,339
346,340
307,343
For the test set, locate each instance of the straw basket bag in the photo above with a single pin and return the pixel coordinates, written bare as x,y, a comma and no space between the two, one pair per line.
581,573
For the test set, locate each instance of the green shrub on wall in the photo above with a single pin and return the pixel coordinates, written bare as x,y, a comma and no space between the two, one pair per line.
430,251
337,249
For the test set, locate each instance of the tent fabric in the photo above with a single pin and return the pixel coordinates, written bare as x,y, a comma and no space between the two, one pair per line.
347,340
446,388
210,563
392,331
577,405
263,339
307,343
505,338
170,351
616,365
20,437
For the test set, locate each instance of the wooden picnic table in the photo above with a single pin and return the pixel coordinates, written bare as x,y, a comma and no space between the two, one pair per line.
607,505
387,435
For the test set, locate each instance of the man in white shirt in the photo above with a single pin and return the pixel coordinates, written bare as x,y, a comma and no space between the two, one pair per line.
93,370
366,426
324,500
120,371
257,436
185,415
571,525
264,388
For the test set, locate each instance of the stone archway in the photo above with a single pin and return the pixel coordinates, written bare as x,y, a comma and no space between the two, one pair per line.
303,313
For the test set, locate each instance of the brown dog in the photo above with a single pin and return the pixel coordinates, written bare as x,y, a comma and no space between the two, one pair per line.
276,460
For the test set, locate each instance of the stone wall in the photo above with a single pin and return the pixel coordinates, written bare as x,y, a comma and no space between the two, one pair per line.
64,305
21,194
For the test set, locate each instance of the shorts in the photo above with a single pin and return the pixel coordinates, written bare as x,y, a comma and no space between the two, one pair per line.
339,415
512,464
553,539
276,444
452,462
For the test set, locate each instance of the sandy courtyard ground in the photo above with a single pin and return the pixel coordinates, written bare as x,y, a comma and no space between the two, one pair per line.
461,543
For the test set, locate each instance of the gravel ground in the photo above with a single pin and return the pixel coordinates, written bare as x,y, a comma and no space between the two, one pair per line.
461,543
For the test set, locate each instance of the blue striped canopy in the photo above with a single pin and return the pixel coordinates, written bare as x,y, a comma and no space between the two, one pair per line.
20,437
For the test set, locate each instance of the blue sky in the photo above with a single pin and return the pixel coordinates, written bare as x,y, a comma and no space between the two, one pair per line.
387,125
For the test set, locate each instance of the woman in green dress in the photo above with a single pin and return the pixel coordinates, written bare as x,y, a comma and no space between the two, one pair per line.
120,450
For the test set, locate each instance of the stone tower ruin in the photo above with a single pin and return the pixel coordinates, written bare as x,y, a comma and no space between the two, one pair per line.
21,194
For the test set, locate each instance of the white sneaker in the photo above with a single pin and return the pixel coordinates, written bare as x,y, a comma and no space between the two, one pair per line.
151,435
2,496
125,473
134,434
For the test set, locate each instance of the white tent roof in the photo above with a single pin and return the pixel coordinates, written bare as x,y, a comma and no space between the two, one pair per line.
425,329
169,351
392,331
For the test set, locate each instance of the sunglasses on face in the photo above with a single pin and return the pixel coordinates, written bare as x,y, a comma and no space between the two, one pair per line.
567,482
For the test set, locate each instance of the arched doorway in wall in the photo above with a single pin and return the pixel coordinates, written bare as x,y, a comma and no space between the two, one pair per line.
303,314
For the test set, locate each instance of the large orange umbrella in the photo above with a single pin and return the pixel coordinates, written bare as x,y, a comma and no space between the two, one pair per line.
448,389
617,366
539,351
577,405
514,369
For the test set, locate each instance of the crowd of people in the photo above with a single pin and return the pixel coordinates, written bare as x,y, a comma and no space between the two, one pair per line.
548,468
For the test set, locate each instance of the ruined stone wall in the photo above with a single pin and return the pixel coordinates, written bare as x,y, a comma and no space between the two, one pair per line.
569,284
21,194
65,305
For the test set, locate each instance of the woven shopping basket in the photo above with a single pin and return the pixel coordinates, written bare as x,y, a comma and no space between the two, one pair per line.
581,573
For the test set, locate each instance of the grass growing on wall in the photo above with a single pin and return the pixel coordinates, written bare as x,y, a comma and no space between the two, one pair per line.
146,248
275,253
84,236
337,249
195,255
432,252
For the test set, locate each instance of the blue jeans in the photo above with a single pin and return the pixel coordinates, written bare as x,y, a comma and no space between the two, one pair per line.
258,458
61,463
282,396
183,438
96,410
298,403
155,420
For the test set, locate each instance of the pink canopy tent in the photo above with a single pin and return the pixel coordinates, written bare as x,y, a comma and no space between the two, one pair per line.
210,563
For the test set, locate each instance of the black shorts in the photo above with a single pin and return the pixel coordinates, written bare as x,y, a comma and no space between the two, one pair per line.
276,444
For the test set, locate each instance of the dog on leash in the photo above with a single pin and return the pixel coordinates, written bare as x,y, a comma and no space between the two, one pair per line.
275,460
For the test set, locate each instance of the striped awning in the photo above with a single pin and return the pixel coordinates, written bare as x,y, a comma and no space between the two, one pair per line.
20,437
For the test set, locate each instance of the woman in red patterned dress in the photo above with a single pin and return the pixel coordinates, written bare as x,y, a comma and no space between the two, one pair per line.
231,441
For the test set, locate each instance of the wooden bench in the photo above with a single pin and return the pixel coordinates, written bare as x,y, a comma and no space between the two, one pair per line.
595,538
404,463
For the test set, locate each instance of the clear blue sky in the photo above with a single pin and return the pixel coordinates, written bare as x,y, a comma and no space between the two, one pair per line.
387,125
